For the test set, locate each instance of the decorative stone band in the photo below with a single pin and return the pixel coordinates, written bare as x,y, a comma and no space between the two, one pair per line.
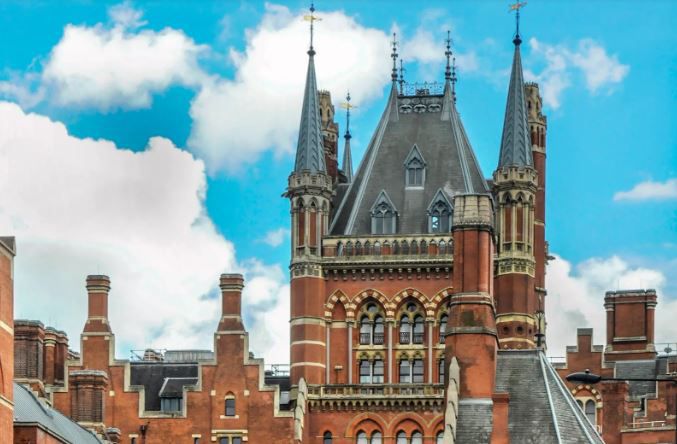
306,182
516,317
301,268
465,330
94,377
471,298
516,178
473,211
98,283
233,281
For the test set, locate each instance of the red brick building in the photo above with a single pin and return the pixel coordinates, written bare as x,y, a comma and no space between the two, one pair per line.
417,301
6,336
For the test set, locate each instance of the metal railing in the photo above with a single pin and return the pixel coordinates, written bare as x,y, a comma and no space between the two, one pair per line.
378,338
277,369
405,337
647,424
365,338
418,338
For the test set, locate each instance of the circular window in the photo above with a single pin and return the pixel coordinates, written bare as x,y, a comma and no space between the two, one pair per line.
372,308
520,330
411,307
506,330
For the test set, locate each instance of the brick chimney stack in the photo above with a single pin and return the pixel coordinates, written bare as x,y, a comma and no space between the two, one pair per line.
98,287
231,302
630,324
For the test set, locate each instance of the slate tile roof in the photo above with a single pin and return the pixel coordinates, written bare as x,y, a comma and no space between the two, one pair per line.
28,409
451,164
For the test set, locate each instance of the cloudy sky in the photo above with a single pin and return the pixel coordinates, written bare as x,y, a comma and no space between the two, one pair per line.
151,141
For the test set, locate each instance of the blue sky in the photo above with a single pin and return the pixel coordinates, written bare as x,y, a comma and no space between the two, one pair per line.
222,81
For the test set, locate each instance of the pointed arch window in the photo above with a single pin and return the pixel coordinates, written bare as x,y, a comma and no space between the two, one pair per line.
439,214
414,166
418,330
383,215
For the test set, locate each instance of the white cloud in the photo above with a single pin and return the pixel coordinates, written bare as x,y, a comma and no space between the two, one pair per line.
274,238
600,70
236,120
649,190
576,297
110,66
80,206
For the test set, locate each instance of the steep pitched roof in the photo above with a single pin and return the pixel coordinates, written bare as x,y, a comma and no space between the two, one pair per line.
431,122
310,151
29,410
515,141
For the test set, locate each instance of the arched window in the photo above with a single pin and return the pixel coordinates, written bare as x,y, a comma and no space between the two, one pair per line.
439,214
401,438
377,371
405,247
378,330
439,439
358,248
405,371
580,403
365,330
417,371
405,330
443,326
383,215
590,411
339,249
230,406
414,247
327,438
365,372
396,248
414,168
416,438
362,438
442,247
349,249
440,370
418,330
377,248
424,247
376,438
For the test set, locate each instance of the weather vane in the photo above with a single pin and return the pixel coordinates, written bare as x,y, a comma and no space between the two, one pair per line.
516,7
348,106
394,56
312,19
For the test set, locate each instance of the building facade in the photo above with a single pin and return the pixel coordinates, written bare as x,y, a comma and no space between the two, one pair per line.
416,305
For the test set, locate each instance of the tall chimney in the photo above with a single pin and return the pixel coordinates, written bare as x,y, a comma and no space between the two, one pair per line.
98,287
231,302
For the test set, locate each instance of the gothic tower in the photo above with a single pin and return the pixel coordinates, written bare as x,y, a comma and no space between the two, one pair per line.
519,192
309,191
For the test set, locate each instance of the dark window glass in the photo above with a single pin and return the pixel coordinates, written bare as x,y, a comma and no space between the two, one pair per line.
443,326
365,372
405,372
376,438
223,440
405,330
441,370
401,438
230,407
418,330
590,411
378,330
365,330
418,370
236,440
327,438
377,377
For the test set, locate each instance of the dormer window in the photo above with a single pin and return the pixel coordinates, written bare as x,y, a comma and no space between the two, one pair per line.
383,215
414,166
439,213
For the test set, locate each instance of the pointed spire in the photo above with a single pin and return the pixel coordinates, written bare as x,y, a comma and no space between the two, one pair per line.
394,57
347,156
515,142
447,53
310,149
401,81
453,79
516,7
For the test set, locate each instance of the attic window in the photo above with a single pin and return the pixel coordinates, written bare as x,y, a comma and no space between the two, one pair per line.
383,215
439,214
414,169
170,405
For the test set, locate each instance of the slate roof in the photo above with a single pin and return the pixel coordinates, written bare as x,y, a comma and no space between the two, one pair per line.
28,409
173,387
516,141
153,376
642,369
310,150
541,409
432,123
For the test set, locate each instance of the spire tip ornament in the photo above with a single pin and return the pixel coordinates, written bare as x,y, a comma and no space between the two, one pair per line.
394,57
312,18
516,7
448,53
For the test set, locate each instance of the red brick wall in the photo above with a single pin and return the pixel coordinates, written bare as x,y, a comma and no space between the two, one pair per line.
33,435
6,342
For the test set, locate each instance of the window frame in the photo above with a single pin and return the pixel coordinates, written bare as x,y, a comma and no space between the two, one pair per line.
227,407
